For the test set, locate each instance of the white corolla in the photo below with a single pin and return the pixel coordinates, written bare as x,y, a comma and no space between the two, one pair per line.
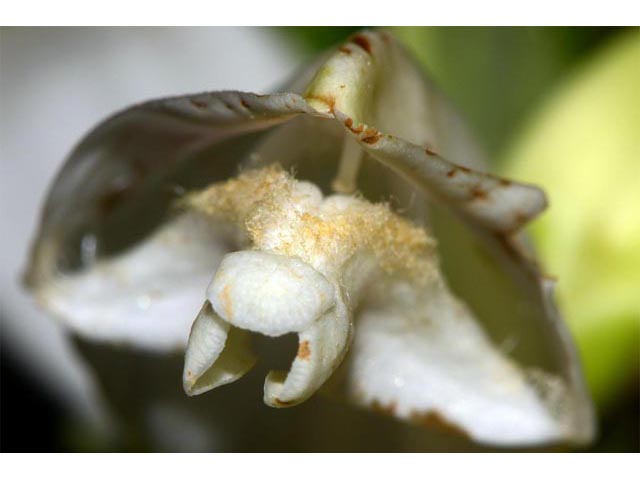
353,211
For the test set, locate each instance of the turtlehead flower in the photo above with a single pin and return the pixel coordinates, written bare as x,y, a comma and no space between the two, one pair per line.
355,212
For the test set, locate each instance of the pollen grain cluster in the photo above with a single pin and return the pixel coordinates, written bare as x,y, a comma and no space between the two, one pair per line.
290,217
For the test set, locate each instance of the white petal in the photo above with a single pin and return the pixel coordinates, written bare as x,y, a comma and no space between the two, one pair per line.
498,204
117,184
514,302
321,349
146,297
268,293
217,353
115,190
424,358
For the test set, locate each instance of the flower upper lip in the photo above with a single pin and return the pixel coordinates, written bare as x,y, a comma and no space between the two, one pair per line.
287,295
418,353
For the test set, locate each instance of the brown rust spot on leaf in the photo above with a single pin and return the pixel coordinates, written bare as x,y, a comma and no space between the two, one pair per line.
363,42
304,351
452,173
345,50
244,103
464,169
433,419
430,151
329,101
349,124
478,193
503,182
371,136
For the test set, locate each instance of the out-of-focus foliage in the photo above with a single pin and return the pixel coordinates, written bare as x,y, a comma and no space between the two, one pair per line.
583,147
496,75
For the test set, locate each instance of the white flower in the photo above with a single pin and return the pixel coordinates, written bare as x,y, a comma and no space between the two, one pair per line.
413,288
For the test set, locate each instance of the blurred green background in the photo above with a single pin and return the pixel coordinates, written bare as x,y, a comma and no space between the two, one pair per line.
559,107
